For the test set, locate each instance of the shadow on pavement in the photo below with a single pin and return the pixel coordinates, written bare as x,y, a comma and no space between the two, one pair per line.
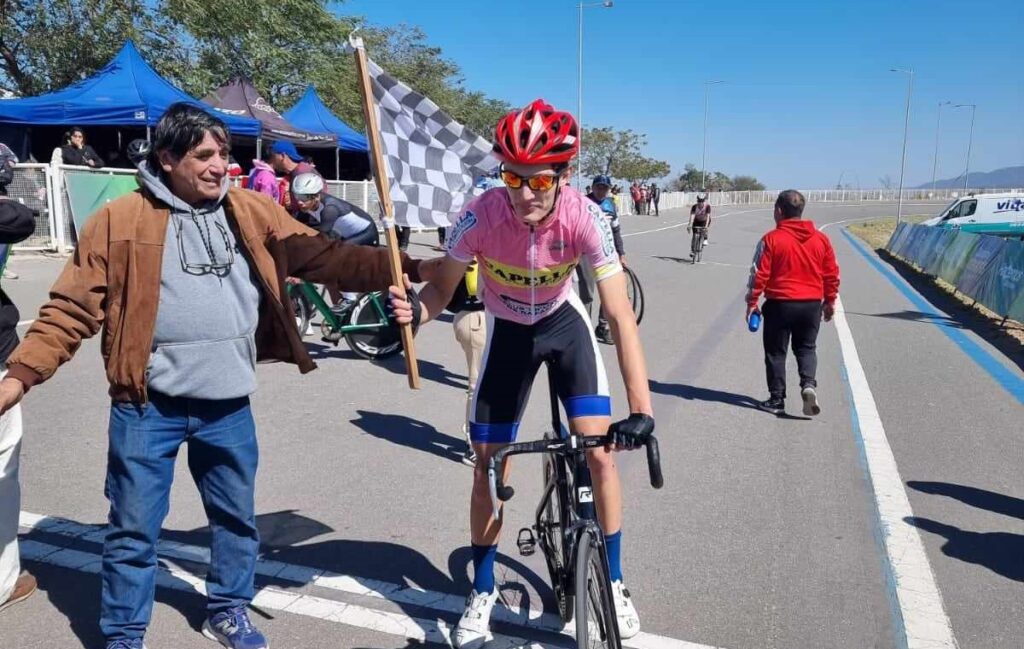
396,364
76,595
980,498
962,314
694,393
678,260
411,433
913,316
1000,552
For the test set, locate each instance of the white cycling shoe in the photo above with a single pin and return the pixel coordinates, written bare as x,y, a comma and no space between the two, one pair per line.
474,628
629,619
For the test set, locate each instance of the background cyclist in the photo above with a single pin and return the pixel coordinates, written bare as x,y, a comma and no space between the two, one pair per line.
700,216
588,285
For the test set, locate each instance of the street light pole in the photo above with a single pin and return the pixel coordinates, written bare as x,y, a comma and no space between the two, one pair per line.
906,127
970,142
935,161
579,86
704,155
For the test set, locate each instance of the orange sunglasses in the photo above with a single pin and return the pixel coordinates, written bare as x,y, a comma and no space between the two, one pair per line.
538,183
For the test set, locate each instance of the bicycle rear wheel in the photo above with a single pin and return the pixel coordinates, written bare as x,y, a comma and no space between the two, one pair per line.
596,624
372,343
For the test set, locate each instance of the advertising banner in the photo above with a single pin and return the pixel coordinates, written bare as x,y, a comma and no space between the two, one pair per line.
984,253
954,258
1002,284
88,191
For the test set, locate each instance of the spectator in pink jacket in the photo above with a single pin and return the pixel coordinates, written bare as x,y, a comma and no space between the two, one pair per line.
263,179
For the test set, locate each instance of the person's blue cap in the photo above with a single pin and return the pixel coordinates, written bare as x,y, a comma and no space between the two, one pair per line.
288,149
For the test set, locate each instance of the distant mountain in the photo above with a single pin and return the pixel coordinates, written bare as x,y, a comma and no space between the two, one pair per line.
1005,178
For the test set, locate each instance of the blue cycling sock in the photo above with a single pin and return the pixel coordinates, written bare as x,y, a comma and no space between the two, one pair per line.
613,543
483,568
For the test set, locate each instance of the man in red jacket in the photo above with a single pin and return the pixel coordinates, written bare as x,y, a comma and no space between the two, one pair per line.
795,268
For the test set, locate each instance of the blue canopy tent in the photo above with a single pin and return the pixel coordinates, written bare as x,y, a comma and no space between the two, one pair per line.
126,92
312,114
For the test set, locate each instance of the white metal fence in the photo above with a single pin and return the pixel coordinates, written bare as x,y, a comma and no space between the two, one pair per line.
43,188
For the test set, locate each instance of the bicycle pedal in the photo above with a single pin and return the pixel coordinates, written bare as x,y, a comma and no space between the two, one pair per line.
527,542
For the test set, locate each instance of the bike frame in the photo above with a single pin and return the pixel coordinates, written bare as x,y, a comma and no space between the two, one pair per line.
320,304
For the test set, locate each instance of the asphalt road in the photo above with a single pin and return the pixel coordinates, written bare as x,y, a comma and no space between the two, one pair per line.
765,535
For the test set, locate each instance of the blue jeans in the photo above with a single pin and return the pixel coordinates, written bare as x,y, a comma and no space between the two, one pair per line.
222,458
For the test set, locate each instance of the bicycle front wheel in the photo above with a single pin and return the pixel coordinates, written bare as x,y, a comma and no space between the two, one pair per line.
596,625
635,292
303,310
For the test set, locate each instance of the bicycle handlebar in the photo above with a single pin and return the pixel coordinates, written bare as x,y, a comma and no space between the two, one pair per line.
572,444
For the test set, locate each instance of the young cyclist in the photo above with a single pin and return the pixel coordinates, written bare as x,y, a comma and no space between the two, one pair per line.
528,237
700,216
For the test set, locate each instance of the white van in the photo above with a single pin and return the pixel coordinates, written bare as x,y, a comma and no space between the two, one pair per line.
996,214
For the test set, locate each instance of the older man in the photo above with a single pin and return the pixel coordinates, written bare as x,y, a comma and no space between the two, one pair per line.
795,269
186,280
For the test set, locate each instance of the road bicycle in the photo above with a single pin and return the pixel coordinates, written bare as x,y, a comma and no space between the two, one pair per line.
697,243
364,325
566,527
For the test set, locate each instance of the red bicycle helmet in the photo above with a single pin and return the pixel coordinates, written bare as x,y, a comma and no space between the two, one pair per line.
537,135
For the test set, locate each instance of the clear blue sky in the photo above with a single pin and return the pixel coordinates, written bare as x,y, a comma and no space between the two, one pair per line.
808,92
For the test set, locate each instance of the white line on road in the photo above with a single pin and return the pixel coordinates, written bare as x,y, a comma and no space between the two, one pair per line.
925,623
275,598
681,225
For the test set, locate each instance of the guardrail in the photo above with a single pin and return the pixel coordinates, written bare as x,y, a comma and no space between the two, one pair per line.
43,187
987,269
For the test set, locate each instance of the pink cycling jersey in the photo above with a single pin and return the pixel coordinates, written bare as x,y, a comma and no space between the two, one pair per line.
527,270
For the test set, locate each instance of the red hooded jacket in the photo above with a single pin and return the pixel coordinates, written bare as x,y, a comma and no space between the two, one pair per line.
795,261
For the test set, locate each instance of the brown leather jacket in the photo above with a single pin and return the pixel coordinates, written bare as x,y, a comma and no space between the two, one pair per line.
112,282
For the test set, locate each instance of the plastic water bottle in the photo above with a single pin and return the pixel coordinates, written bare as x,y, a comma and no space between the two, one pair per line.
755,321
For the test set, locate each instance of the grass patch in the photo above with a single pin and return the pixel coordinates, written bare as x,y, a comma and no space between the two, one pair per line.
1007,336
876,233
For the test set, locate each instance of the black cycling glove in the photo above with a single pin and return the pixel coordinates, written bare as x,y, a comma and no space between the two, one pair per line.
632,433
413,298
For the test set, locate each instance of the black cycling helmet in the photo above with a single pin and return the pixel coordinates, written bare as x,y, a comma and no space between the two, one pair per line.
138,150
601,179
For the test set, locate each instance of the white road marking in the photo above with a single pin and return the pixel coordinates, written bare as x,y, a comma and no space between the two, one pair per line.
683,225
302,604
924,618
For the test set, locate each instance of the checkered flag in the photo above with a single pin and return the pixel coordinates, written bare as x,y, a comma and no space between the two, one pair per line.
431,159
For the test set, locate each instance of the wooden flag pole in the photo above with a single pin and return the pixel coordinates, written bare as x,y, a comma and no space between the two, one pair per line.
383,192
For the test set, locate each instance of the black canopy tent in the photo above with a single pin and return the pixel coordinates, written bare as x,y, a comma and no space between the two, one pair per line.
239,97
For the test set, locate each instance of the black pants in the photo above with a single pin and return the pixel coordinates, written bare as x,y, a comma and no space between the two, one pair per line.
786,320
403,237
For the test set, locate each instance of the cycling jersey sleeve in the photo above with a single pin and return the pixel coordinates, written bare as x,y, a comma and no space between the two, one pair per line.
462,242
598,243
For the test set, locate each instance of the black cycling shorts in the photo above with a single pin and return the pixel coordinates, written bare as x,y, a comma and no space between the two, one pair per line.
514,352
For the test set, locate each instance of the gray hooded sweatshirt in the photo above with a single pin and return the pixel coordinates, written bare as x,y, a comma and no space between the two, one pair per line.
204,344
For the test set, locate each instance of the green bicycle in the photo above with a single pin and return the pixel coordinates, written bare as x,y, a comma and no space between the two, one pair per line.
365,325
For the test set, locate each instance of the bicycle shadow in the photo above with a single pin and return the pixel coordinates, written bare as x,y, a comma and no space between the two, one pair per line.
411,433
678,260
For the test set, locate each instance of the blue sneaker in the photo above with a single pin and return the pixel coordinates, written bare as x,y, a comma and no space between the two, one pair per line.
233,629
134,643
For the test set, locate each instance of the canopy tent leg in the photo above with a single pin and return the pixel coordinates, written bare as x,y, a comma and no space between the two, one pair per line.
148,137
259,148
337,165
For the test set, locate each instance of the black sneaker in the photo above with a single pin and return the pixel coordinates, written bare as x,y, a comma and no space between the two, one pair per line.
604,335
774,405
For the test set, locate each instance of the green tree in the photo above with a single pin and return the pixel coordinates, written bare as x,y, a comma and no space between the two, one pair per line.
609,151
49,44
746,184
689,181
